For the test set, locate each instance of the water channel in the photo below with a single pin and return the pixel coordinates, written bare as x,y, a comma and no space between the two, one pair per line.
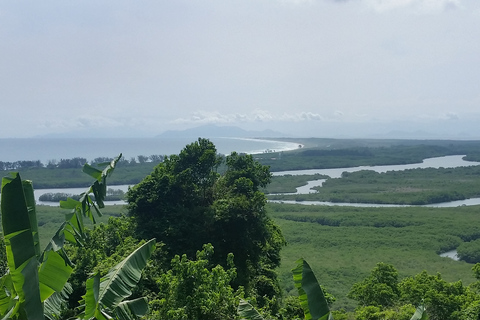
438,162
445,162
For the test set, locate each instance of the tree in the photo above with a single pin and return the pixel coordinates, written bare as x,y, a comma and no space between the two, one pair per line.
193,289
442,300
241,225
142,159
380,288
172,203
186,203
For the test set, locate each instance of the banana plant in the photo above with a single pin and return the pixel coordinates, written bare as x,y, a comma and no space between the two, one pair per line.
312,298
36,281
104,297
420,313
33,277
246,311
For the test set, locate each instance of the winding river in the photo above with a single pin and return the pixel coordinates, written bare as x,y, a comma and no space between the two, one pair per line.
438,162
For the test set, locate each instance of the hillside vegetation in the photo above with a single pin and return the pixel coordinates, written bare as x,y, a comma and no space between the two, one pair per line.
373,263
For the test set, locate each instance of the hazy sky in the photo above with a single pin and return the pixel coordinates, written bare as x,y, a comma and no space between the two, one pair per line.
308,68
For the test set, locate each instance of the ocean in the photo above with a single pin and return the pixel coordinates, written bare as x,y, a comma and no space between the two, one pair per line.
56,149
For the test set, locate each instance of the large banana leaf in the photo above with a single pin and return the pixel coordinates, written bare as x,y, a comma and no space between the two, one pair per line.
130,309
109,291
7,294
20,246
85,206
53,274
99,188
36,279
420,314
246,311
32,214
53,305
311,296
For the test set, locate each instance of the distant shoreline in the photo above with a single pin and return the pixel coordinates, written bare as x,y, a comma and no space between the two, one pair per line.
292,145
46,149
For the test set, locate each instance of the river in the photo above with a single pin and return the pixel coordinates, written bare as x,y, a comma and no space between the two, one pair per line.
438,162
74,191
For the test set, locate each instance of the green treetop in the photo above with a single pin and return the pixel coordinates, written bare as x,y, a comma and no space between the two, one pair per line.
186,203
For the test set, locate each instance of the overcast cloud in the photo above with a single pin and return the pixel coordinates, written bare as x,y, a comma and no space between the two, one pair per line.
303,67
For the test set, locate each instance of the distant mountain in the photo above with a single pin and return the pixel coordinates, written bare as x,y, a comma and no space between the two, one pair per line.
214,131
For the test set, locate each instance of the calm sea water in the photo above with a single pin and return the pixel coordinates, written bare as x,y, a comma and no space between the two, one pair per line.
56,149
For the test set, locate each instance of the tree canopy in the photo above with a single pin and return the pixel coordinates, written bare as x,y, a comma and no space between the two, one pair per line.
186,203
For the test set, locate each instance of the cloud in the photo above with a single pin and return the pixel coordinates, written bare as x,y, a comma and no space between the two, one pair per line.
95,122
80,122
258,115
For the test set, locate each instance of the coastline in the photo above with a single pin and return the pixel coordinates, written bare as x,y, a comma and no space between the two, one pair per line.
288,146
45,150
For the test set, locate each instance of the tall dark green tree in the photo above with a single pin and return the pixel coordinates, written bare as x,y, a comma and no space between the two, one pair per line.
172,202
186,203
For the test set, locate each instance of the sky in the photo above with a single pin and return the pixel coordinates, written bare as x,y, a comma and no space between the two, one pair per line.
305,68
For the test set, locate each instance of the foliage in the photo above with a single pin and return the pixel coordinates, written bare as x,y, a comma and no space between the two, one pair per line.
310,304
196,290
105,295
292,308
441,299
329,153
173,200
33,276
312,298
36,283
380,288
290,183
3,257
436,298
111,195
413,186
103,247
354,239
55,177
469,251
185,203
340,153
246,311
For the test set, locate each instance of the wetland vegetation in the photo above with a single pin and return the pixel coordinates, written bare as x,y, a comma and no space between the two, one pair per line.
347,247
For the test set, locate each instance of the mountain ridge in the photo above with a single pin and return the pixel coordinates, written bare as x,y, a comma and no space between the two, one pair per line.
214,131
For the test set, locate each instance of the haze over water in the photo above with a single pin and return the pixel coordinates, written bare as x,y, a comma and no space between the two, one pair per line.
55,149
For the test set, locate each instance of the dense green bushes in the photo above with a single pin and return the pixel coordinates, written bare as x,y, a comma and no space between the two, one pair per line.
469,251
196,290
383,296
